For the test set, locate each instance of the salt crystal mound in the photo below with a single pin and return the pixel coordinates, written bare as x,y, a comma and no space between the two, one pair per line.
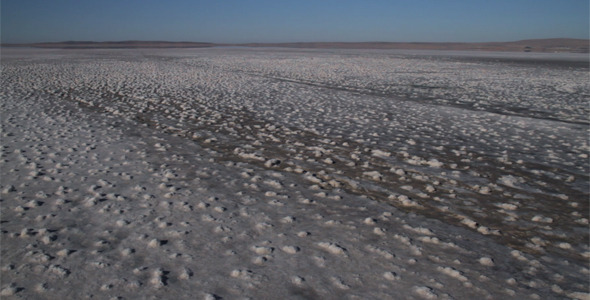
227,173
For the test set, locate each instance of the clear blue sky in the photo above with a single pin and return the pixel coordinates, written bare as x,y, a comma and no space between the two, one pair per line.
237,21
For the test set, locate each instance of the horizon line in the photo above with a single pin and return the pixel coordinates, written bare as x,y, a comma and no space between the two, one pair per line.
572,45
293,42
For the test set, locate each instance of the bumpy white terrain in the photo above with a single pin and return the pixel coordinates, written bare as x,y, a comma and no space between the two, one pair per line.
293,174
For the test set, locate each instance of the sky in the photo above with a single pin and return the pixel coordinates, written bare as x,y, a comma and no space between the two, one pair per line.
242,21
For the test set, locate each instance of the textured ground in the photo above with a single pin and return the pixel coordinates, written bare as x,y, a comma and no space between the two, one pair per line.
310,174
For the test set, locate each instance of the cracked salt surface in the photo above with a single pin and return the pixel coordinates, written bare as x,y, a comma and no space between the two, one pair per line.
228,173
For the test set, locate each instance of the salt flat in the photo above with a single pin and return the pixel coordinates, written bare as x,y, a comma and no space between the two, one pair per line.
235,173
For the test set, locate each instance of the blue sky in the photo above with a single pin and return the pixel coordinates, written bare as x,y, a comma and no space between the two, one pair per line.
235,21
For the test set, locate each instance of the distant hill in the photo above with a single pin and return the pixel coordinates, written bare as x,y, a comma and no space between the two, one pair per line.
537,45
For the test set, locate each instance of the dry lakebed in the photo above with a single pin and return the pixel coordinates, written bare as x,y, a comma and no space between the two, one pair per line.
269,173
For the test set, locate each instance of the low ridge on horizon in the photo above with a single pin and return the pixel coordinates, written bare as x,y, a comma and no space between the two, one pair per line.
526,45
